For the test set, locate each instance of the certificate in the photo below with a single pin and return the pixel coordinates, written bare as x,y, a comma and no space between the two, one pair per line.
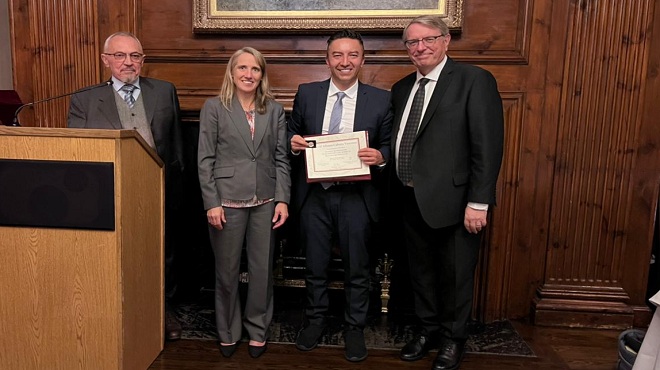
335,157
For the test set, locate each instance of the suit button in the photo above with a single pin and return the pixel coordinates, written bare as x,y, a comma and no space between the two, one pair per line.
254,159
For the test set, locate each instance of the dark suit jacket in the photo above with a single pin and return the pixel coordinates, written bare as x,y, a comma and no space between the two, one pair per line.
229,158
96,108
457,153
372,114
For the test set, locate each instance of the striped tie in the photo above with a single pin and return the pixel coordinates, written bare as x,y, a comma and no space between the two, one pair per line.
128,94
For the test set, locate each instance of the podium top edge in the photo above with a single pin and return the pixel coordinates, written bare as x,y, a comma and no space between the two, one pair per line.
66,132
87,133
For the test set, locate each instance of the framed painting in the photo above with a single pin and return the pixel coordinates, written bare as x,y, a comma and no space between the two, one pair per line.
225,16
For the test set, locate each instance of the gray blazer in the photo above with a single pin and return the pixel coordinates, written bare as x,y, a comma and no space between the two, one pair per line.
96,108
234,166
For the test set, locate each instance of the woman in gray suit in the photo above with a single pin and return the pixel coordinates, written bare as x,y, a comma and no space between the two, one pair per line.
245,183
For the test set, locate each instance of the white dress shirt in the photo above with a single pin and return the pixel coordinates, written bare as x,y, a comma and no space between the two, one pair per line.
117,85
348,112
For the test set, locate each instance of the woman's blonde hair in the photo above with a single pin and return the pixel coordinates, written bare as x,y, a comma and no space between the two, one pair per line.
228,89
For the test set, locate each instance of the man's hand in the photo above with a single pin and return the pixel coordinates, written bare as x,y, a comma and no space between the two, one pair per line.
371,156
298,143
474,220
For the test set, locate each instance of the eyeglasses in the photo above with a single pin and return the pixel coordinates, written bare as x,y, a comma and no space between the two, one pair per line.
428,41
135,57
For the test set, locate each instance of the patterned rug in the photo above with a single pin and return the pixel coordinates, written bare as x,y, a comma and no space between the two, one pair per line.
382,331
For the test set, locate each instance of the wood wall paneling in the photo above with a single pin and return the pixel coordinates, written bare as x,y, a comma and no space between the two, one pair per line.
187,59
494,278
587,251
645,178
53,50
579,183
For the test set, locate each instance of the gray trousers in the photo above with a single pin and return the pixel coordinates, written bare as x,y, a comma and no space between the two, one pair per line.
253,227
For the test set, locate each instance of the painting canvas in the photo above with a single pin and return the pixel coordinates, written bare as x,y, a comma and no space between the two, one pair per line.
312,15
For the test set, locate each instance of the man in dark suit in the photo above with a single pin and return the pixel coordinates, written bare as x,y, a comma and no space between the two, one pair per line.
152,108
447,141
342,213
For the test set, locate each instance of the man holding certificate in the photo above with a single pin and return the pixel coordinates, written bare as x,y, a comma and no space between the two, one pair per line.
343,126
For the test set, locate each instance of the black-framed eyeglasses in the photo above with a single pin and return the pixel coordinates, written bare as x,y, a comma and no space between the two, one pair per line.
135,57
428,41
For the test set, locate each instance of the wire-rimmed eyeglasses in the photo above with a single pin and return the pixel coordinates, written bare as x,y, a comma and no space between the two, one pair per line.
135,57
428,41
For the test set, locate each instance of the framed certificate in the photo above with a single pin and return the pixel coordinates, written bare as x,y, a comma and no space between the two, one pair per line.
335,157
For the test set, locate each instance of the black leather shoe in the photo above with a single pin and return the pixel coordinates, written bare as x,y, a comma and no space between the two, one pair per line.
228,350
172,326
416,349
256,351
355,350
308,338
450,355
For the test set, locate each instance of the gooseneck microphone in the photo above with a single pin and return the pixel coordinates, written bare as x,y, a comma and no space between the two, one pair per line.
16,123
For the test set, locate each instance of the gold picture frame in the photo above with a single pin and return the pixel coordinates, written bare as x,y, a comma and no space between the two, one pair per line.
245,16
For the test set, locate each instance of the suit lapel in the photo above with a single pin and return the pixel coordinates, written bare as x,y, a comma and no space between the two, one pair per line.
260,122
438,93
407,88
361,105
149,98
108,106
237,116
321,100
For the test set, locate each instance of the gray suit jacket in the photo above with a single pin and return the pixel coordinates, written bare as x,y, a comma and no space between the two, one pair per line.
234,166
96,108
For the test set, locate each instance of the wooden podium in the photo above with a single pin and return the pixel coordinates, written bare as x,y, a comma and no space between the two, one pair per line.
77,290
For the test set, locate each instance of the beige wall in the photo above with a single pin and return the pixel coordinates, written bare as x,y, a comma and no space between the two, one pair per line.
6,81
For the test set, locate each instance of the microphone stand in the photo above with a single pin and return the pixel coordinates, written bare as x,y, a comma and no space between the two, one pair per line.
15,122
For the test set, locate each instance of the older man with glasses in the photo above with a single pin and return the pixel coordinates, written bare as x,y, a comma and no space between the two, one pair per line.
447,140
151,107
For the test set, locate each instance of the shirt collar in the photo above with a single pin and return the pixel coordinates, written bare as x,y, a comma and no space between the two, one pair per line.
116,84
351,92
434,75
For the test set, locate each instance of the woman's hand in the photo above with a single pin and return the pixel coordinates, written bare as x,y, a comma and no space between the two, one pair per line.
281,214
216,217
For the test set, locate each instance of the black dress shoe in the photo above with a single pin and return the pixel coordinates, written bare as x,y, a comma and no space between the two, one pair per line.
355,350
172,326
416,349
449,355
308,338
228,350
256,351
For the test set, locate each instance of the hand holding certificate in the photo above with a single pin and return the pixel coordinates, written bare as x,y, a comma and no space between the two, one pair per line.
335,157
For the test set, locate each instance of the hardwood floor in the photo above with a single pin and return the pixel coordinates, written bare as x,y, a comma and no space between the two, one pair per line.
583,349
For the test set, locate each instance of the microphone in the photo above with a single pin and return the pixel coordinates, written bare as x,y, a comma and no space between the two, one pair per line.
16,123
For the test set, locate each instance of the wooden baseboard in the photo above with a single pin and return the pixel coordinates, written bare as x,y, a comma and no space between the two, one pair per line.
588,314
